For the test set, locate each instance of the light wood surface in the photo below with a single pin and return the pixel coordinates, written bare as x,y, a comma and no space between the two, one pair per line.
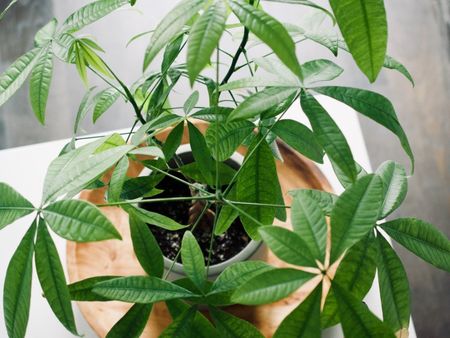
117,257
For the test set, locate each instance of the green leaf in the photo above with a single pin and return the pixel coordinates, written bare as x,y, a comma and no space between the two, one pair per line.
191,102
324,199
76,172
41,77
201,153
374,106
148,151
364,27
256,183
12,205
223,139
320,70
268,30
193,260
91,13
260,102
395,184
305,3
16,74
138,187
103,101
181,327
46,33
146,247
132,323
308,221
85,105
356,319
51,277
79,221
170,26
300,138
287,245
171,52
394,288
421,238
227,214
304,321
346,181
329,135
173,141
226,173
391,63
212,114
82,290
118,178
237,274
270,286
204,37
17,288
155,219
140,289
355,213
230,326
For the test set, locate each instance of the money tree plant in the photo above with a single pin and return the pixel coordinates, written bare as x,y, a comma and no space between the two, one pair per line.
336,242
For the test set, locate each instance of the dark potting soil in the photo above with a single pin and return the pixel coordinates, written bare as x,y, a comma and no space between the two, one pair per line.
224,246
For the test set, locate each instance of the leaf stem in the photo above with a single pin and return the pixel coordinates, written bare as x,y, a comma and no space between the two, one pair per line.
243,212
260,204
156,200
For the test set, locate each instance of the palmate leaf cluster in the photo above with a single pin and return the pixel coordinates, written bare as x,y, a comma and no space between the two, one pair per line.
337,243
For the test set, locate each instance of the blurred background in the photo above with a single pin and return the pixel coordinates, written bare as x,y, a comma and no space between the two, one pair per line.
419,37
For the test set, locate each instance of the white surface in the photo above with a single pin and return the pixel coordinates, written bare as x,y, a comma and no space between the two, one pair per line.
24,169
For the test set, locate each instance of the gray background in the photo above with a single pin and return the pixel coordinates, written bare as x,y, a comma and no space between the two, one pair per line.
419,37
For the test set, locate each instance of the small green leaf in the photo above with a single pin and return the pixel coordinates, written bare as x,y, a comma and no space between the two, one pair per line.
192,170
132,323
155,219
46,33
146,247
421,238
201,153
320,70
287,245
212,114
140,289
193,260
103,101
51,276
346,181
304,321
173,141
306,3
191,102
230,326
79,221
356,319
118,178
85,105
148,151
227,214
300,138
395,184
82,290
270,286
391,63
12,205
324,199
355,213
17,288
364,27
138,187
394,288
268,30
375,107
329,135
171,52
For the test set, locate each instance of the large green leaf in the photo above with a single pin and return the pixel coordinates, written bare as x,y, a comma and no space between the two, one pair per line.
51,277
364,27
118,178
395,184
79,221
421,238
140,289
308,221
170,26
201,153
325,200
394,288
256,183
146,247
204,37
82,290
223,139
193,260
46,33
12,205
356,319
230,326
355,213
17,288
154,218
79,170
372,105
41,77
270,286
16,74
132,323
91,13
260,102
103,101
329,135
300,138
181,327
304,321
268,30
320,70
287,245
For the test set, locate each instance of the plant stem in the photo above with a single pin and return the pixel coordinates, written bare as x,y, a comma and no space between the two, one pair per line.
259,204
156,200
244,213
